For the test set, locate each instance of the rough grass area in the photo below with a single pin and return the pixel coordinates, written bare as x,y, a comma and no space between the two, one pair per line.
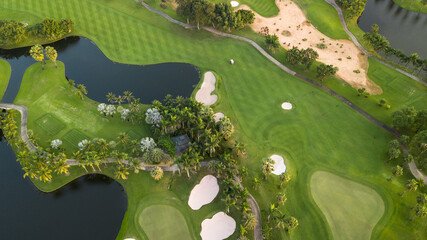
50,124
5,72
163,222
352,209
73,137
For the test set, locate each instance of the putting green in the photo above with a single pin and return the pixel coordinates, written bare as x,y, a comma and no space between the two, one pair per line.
352,209
163,222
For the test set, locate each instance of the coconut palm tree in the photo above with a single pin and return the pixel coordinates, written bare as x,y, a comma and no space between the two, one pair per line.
123,139
267,167
79,156
157,173
250,221
81,91
397,171
36,53
111,97
412,185
119,100
420,211
284,178
51,54
128,96
291,223
135,164
281,198
421,200
121,172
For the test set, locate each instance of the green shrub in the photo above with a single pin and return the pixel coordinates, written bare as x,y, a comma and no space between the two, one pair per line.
321,46
166,143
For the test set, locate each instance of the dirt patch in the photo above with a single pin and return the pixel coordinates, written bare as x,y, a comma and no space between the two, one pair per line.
302,34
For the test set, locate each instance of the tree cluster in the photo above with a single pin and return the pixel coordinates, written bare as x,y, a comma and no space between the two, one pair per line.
12,32
380,44
324,71
412,124
217,15
304,56
352,8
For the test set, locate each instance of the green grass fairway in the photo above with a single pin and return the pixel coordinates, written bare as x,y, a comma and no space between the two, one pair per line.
5,72
163,222
352,209
73,137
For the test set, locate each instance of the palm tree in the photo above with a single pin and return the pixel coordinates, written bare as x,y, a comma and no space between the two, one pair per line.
79,158
421,200
420,211
128,96
250,221
281,198
267,167
111,97
291,223
81,91
36,53
284,178
157,173
412,185
121,172
397,171
119,100
123,139
256,182
135,164
51,54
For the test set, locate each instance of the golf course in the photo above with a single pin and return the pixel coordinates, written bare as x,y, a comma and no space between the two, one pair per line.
338,177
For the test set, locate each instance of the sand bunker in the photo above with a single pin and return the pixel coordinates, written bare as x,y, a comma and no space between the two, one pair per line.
287,105
204,192
234,3
219,227
293,29
279,164
208,86
218,116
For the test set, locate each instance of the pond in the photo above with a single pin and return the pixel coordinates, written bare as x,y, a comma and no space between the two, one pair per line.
91,207
405,30
86,64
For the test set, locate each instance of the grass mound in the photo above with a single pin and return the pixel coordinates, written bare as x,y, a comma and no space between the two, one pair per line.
163,222
352,209
50,124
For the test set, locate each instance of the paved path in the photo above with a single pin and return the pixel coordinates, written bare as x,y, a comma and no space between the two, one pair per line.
354,39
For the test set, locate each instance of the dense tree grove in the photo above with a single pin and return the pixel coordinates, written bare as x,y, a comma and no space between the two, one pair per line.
380,44
218,15
352,8
324,71
12,32
412,124
304,56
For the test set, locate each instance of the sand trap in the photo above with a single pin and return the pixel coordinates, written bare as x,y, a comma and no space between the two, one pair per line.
287,105
234,3
219,227
129,239
218,116
293,29
204,192
279,164
208,86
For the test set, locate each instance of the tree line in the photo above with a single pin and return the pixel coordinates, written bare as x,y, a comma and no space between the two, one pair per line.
352,8
217,15
12,32
380,44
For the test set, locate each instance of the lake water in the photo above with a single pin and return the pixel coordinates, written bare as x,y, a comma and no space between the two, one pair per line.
405,30
91,207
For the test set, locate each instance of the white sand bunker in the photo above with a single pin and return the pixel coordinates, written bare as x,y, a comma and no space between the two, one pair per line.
204,192
234,3
208,86
293,29
219,227
287,105
129,239
218,116
279,164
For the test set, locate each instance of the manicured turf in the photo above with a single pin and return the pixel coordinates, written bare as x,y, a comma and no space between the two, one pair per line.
5,72
163,222
55,111
321,133
352,210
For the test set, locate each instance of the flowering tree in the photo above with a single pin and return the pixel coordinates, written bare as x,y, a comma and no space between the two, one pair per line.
147,144
124,113
55,144
102,108
153,117
110,110
83,145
